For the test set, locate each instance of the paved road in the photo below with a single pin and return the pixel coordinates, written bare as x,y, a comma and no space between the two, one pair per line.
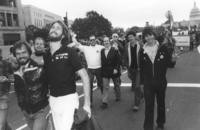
182,101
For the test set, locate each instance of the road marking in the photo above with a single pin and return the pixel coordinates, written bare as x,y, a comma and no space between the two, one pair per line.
182,85
22,127
11,92
124,72
187,85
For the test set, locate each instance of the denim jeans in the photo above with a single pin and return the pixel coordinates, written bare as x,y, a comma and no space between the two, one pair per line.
106,86
134,75
38,120
97,73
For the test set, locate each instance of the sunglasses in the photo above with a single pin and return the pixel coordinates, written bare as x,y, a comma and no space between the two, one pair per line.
92,39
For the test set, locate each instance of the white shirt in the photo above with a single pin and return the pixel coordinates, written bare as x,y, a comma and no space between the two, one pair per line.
151,51
92,55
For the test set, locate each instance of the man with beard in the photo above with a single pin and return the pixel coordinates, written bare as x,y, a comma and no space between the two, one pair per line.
29,87
61,64
6,77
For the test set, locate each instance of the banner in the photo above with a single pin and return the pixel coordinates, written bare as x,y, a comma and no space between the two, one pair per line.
182,40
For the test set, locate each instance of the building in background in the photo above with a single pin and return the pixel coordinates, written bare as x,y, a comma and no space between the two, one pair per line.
11,22
195,16
38,17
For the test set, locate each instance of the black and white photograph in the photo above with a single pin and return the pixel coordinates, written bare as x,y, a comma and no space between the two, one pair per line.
99,65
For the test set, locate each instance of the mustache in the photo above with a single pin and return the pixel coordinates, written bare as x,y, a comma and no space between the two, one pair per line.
22,58
53,32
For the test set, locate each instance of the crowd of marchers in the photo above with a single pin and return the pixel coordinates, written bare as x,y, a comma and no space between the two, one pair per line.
45,75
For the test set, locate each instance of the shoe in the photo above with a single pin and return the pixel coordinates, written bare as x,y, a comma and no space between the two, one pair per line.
117,99
104,105
135,108
160,127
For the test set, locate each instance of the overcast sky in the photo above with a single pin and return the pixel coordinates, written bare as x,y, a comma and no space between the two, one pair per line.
121,13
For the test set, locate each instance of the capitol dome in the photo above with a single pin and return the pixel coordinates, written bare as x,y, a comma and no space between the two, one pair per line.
195,16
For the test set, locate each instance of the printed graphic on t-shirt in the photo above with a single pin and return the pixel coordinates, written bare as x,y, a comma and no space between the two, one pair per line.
61,56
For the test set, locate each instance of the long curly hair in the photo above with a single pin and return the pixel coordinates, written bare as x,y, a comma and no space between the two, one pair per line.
66,32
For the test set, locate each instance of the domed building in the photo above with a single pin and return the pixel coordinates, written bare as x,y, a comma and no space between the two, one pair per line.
195,16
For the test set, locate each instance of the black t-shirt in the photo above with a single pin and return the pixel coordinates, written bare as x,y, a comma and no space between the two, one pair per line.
60,71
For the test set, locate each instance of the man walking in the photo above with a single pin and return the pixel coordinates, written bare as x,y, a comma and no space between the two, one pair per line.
154,60
30,89
61,64
132,62
93,57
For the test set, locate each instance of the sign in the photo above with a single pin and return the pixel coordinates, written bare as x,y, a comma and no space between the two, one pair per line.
180,33
182,40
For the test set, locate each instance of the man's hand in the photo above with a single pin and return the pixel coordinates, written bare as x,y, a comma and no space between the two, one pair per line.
87,109
174,57
115,71
3,79
115,46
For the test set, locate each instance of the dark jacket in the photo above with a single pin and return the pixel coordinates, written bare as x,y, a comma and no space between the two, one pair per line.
128,60
156,71
30,89
109,63
127,52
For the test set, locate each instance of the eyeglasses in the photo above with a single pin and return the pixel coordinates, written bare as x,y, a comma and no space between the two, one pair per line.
106,41
92,39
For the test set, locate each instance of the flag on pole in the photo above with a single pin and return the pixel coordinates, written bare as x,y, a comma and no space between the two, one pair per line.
170,19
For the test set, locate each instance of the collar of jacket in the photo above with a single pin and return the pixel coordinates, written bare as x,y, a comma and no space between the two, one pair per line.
145,47
129,52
